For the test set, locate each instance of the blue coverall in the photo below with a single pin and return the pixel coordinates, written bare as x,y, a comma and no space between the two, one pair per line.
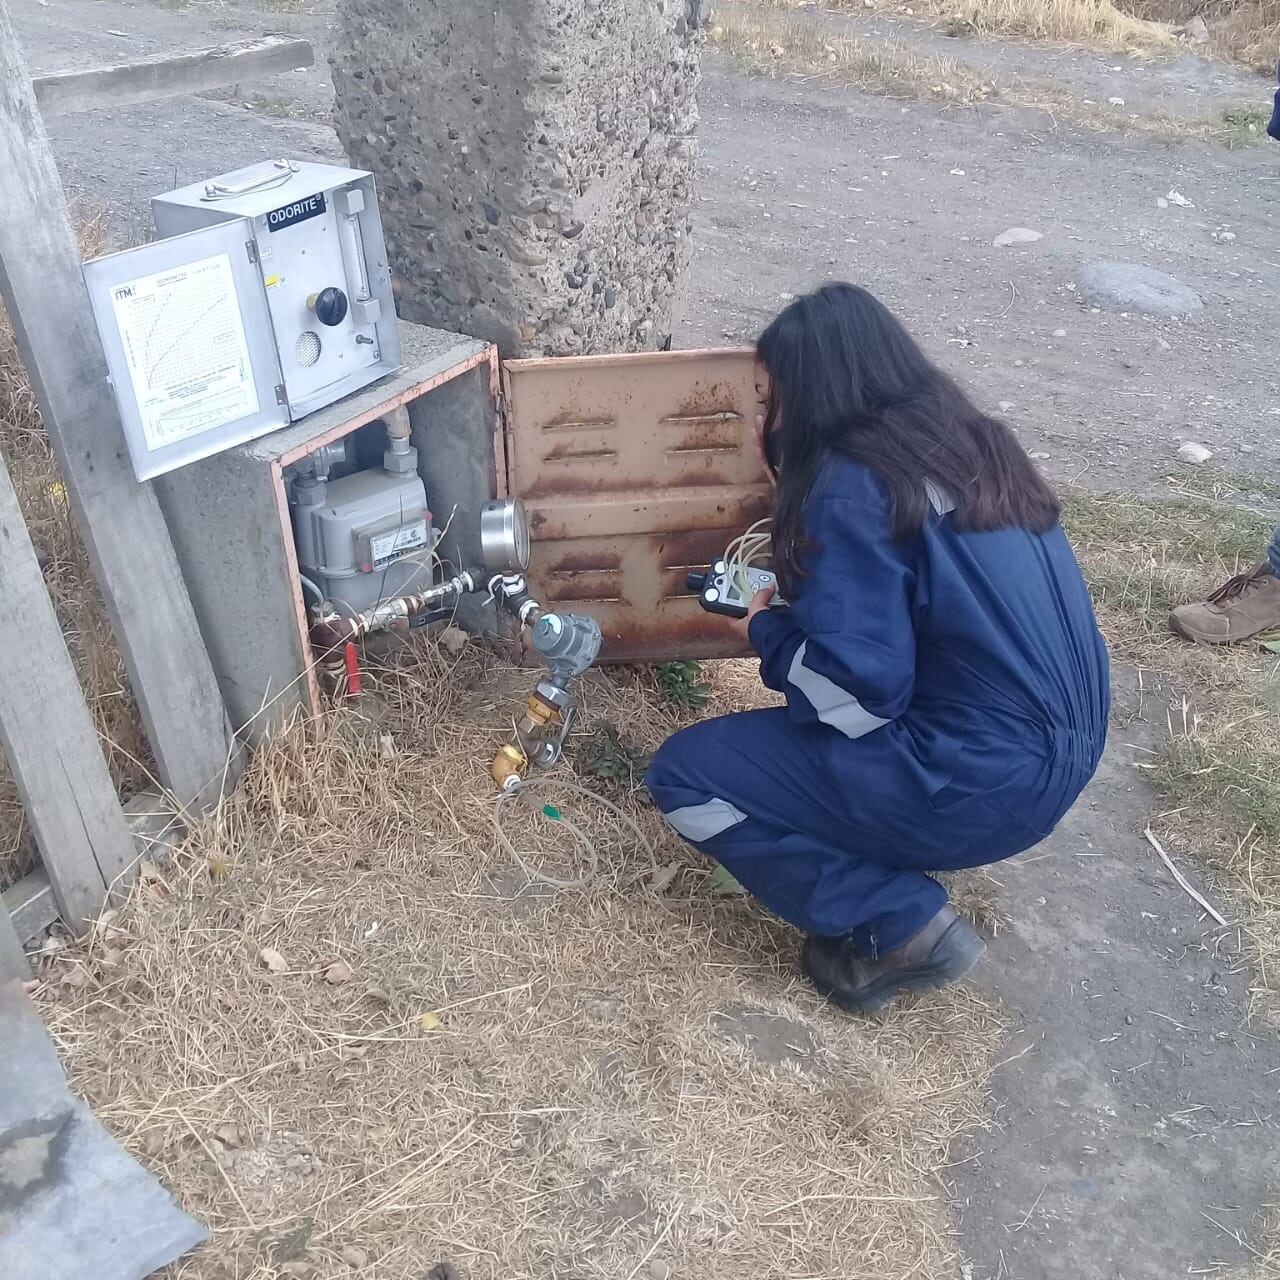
946,702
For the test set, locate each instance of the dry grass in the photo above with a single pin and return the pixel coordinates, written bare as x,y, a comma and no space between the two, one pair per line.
1218,773
43,498
1092,23
1246,30
779,41
524,1082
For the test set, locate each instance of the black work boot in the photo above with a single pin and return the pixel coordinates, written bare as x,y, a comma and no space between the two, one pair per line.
940,954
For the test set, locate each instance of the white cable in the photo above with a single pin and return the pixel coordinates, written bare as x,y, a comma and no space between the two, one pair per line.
748,547
582,840
746,550
415,560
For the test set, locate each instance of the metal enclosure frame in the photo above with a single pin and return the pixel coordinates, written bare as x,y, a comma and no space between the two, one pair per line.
636,470
231,527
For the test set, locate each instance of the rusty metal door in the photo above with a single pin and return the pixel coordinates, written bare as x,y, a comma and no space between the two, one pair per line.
636,470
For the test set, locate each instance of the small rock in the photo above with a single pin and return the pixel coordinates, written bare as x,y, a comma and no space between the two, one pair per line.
1197,30
1161,202
1194,453
454,639
659,1270
1115,102
1016,235
1059,333
1006,405
1176,197
354,1257
230,1135
1162,345
1128,286
1128,1019
1040,456
957,173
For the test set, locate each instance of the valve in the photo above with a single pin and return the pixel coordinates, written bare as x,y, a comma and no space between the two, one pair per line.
567,643
330,306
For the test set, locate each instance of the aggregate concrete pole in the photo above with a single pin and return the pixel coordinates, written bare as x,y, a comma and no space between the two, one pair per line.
534,161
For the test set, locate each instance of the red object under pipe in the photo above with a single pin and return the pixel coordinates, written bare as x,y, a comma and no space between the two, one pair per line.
354,683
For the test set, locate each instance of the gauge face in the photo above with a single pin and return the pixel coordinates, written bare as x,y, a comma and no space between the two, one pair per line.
520,534
504,536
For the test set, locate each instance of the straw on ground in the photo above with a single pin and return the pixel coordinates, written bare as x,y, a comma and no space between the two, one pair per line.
521,1081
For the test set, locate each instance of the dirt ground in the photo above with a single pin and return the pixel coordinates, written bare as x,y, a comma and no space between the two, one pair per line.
1133,1132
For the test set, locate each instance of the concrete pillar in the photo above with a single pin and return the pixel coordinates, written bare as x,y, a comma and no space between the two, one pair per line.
534,161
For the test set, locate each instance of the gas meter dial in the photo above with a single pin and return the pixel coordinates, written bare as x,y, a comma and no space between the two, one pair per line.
504,536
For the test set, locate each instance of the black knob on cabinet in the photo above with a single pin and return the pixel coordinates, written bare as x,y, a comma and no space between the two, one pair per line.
330,306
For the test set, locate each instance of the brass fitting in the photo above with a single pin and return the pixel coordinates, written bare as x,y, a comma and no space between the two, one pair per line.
508,766
539,712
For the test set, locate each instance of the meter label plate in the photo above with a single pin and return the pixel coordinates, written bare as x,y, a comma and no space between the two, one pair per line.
387,548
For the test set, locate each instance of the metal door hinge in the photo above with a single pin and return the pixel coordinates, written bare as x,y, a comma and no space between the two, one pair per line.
251,248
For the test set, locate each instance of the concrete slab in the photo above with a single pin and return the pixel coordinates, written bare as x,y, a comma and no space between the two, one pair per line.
73,1204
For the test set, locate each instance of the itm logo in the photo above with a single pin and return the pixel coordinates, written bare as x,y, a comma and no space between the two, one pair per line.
125,291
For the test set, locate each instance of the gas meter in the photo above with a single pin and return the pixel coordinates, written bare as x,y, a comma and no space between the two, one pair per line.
267,297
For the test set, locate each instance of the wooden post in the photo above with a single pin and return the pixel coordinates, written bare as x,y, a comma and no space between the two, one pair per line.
13,960
165,77
49,738
119,518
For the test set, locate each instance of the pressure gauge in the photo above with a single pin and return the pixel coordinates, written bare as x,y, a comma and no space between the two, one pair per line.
504,536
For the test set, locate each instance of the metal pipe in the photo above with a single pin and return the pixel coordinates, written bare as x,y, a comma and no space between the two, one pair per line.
400,456
397,423
334,630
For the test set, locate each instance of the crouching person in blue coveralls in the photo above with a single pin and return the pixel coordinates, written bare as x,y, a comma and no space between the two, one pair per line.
946,685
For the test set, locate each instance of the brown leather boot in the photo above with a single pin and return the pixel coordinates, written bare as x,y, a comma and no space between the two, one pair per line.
1246,606
940,954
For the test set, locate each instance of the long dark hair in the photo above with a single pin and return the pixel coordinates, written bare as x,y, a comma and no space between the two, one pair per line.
846,377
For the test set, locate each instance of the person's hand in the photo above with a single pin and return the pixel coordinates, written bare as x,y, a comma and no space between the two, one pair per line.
759,603
764,454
